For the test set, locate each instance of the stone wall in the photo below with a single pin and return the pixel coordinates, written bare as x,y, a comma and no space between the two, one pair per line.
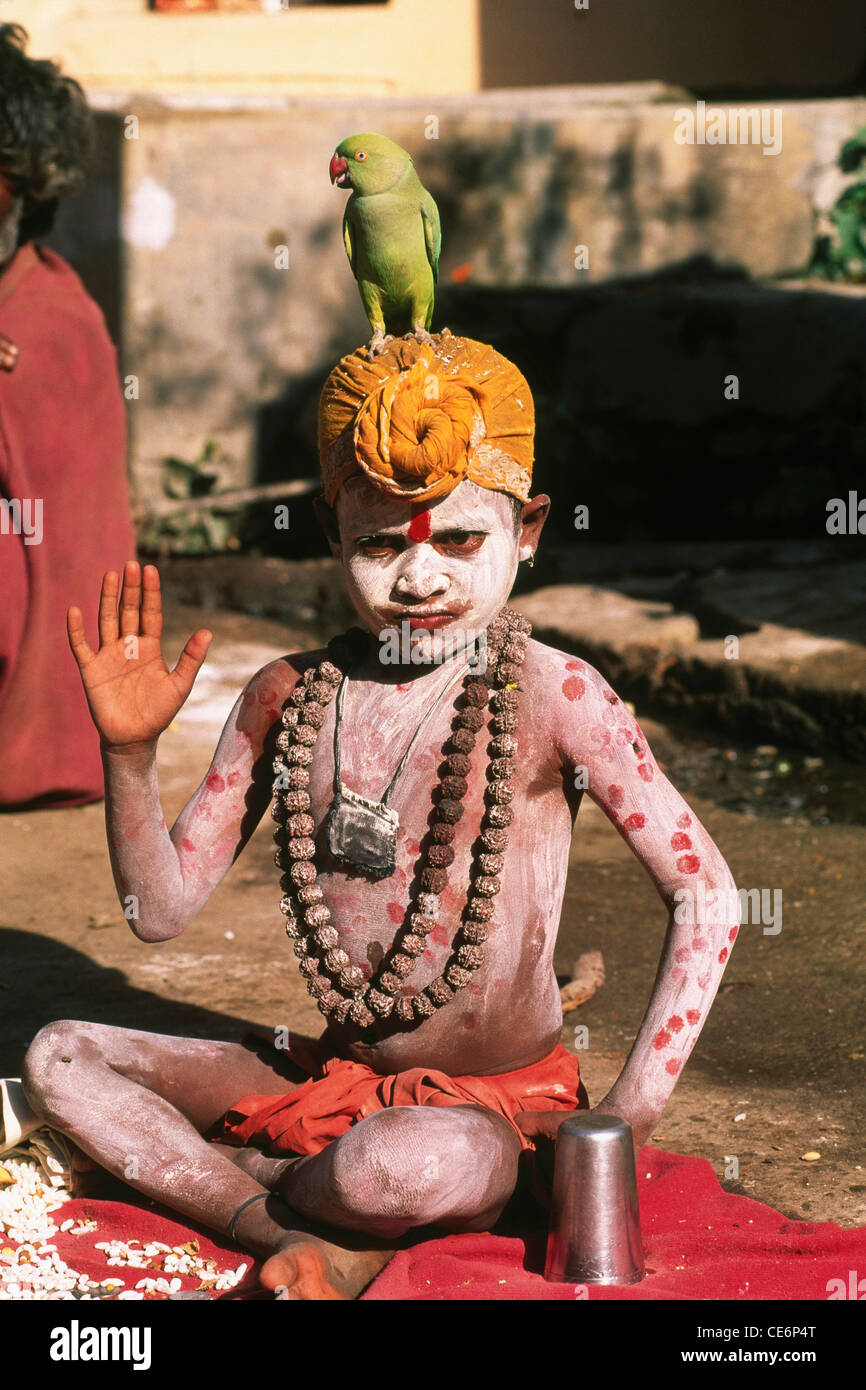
179,236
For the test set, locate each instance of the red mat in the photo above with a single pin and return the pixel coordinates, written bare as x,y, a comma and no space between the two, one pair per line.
126,1222
700,1243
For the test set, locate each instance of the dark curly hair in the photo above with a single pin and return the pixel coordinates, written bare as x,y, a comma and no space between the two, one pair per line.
45,132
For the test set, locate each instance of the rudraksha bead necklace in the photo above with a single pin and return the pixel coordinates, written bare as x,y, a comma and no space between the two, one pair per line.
339,988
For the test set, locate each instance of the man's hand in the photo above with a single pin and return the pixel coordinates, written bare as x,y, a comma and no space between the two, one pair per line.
132,695
8,353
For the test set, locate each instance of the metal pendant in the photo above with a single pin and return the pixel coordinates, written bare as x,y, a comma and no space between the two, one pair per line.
363,833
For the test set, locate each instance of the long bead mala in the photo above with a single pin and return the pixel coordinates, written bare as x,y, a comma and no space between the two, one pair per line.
340,988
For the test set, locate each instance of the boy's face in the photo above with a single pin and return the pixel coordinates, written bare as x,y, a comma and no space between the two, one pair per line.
447,564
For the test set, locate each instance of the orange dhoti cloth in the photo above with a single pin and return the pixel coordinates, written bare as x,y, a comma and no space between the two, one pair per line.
321,1109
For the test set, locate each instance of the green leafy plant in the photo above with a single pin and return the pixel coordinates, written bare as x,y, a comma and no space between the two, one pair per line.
191,532
842,254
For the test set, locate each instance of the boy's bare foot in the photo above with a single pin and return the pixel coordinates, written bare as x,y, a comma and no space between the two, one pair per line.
87,1178
307,1268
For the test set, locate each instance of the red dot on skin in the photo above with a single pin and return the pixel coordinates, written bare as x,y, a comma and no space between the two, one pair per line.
723,955
733,933
678,974
476,989
699,944
680,841
675,1023
661,1039
672,1066
682,953
440,935
274,715
615,795
215,783
233,778
267,697
395,912
469,1021
684,821
646,771
403,688
419,526
573,688
574,666
693,1016
636,821
688,864
704,980
188,846
428,954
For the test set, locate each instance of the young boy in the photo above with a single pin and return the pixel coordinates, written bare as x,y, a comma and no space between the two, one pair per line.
429,943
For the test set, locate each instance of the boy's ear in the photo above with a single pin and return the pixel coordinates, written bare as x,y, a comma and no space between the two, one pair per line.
327,519
534,516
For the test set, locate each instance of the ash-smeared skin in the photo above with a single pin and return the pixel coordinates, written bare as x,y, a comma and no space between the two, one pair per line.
510,1014
400,574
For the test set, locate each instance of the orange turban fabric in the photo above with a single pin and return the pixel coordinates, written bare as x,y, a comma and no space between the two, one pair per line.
418,419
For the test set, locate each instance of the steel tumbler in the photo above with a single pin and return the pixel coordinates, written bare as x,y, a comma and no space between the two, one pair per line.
595,1222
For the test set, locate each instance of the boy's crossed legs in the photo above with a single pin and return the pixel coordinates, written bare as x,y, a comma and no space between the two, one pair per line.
139,1103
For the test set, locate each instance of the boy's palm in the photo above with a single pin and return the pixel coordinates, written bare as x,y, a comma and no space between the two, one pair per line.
132,694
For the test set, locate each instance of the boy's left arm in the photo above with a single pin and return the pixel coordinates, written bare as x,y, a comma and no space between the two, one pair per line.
595,730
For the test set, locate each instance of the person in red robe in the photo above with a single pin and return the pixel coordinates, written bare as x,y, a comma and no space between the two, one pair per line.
64,498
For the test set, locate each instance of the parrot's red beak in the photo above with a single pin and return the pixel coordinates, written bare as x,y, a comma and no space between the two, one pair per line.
338,169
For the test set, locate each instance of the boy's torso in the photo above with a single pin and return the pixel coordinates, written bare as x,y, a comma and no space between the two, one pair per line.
510,1014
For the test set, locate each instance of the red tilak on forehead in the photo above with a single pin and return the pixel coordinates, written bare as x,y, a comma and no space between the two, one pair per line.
419,526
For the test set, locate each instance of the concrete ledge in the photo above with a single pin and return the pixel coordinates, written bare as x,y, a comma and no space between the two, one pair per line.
784,684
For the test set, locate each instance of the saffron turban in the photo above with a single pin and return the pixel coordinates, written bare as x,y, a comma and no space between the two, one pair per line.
419,418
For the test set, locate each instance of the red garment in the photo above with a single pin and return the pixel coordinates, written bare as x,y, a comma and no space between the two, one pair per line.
324,1107
62,440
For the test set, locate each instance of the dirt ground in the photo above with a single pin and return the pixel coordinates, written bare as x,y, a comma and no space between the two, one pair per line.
779,1068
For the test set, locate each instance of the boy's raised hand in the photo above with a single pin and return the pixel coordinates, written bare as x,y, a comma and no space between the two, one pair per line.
132,694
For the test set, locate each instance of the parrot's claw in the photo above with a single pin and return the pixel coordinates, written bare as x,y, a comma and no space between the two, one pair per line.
420,335
378,343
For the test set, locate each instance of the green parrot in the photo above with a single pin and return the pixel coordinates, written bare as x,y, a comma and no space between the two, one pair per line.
392,236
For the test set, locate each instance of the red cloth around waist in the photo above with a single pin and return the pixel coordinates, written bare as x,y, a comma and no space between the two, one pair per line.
321,1109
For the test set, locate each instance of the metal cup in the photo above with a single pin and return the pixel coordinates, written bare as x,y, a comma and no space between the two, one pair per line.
595,1222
